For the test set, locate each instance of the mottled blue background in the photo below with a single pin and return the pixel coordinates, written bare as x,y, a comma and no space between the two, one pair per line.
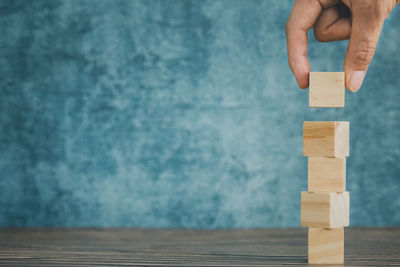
177,114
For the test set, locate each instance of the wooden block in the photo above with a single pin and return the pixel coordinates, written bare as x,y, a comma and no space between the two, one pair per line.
325,209
326,138
326,90
326,174
326,246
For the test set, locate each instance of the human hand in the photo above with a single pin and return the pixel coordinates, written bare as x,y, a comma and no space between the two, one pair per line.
360,21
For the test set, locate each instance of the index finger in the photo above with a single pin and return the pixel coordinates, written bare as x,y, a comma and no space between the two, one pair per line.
303,16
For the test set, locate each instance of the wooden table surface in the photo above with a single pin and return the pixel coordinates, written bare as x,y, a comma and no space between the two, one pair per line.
150,247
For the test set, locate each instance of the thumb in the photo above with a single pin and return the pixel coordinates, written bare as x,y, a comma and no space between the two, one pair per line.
366,27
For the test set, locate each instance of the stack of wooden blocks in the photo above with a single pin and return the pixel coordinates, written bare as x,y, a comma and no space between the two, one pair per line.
325,206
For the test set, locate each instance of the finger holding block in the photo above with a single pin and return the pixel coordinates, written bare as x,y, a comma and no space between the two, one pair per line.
325,209
326,174
326,246
326,90
326,138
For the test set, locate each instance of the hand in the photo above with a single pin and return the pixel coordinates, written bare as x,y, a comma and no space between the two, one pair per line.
360,21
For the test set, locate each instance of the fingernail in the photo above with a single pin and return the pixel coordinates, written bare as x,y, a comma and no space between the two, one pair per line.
356,80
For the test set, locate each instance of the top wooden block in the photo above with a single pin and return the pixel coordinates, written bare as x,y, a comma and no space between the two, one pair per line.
326,90
326,138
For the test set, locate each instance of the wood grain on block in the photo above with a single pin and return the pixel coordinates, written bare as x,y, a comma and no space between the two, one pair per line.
326,174
325,209
325,246
326,138
326,90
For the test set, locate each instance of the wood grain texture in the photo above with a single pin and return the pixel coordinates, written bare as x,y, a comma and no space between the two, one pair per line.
326,90
148,247
325,209
326,138
326,174
326,246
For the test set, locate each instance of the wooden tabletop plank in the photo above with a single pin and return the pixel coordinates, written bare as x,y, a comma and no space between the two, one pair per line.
151,247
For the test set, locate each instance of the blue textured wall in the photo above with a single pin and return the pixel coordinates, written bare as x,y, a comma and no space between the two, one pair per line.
177,114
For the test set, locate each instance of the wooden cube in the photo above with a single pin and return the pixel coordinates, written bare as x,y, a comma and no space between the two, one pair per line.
326,246
325,209
326,90
326,174
326,138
